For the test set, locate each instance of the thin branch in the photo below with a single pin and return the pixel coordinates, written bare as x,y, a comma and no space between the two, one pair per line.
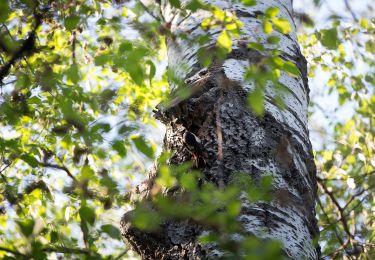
359,193
24,58
74,43
333,254
148,11
343,219
13,252
66,250
350,10
3,169
341,241
121,255
26,49
59,167
353,208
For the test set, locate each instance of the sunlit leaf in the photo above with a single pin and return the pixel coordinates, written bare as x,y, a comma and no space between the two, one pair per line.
225,41
111,230
329,38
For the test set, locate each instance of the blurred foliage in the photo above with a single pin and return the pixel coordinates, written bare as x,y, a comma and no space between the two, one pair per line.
79,80
343,52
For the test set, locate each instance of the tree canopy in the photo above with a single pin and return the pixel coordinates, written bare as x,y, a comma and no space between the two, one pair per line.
79,81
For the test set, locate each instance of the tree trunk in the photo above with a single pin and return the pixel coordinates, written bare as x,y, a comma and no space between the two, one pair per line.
236,140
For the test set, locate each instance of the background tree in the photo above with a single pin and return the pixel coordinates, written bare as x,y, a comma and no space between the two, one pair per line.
78,82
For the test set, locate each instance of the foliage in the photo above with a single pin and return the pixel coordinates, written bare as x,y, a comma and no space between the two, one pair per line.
78,82
344,52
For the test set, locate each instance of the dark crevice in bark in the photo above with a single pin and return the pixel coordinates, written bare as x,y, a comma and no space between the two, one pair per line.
301,64
252,14
291,111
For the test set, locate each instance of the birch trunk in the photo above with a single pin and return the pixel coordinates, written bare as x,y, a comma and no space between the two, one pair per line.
236,140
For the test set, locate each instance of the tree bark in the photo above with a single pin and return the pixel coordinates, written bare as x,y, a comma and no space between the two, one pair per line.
235,139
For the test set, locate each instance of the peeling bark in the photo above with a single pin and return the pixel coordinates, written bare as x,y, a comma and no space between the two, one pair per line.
235,140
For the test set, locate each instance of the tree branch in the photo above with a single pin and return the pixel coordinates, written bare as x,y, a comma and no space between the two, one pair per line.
341,241
347,214
350,10
343,219
13,252
148,11
66,250
26,49
359,193
58,167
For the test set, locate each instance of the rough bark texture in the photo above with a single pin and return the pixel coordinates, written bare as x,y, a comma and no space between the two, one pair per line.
235,140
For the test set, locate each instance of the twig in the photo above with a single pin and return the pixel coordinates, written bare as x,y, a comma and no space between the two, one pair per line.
66,250
148,11
359,193
3,169
56,166
338,207
74,42
24,58
341,241
334,253
14,252
353,208
121,255
350,10
26,49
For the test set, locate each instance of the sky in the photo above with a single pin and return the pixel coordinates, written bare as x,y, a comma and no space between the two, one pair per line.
318,122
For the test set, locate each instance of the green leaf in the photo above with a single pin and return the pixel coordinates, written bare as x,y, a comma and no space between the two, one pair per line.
133,65
273,39
193,5
271,12
282,25
142,146
100,60
256,46
291,69
87,173
125,46
256,101
188,181
111,230
26,226
152,69
175,3
54,236
234,208
71,22
146,219
87,214
267,27
329,38
34,100
364,23
30,160
73,73
120,148
4,10
101,127
224,41
249,2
